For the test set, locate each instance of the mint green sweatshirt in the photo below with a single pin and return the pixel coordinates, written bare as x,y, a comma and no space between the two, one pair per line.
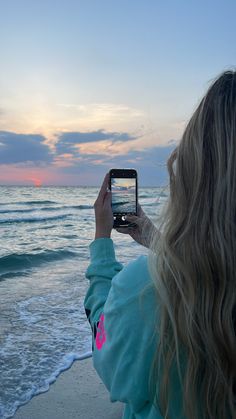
121,307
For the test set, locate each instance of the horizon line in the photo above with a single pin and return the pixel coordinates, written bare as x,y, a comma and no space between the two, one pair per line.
69,186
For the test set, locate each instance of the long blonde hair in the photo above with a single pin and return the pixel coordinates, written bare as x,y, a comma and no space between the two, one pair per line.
194,262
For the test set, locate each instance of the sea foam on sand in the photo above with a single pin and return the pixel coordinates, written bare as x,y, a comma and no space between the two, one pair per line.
78,393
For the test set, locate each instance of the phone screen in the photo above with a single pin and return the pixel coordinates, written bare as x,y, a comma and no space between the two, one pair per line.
123,192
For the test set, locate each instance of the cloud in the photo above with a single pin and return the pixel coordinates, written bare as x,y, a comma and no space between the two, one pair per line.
100,113
150,164
22,148
68,142
72,163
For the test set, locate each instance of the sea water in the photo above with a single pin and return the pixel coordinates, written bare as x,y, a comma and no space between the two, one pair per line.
45,235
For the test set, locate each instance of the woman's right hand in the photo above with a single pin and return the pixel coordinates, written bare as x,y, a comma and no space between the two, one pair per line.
141,228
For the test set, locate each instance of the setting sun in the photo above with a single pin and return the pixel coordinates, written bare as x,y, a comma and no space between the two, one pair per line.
37,182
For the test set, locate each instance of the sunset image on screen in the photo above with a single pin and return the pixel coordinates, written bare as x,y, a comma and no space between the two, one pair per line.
123,192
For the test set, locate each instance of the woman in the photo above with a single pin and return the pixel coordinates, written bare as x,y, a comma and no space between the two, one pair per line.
172,353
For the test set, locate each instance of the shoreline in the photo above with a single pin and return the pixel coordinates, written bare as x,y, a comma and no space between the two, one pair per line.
77,393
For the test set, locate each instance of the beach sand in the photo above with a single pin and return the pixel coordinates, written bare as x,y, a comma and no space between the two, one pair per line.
77,393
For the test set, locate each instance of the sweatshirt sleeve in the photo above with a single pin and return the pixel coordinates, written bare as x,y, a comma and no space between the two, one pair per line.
121,302
103,267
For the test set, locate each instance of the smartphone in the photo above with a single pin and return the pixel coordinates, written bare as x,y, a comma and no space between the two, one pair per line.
124,195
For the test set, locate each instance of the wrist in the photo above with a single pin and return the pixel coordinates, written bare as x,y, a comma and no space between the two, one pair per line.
102,235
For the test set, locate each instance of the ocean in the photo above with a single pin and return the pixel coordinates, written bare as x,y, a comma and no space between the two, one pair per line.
44,253
124,201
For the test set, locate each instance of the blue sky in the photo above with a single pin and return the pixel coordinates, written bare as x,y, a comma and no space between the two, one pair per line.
90,85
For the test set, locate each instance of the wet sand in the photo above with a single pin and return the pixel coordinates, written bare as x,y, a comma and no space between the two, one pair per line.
77,393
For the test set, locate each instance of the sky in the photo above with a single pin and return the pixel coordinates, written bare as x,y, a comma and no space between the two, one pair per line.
89,85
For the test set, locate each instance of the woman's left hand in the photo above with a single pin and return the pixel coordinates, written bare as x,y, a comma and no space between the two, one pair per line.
103,211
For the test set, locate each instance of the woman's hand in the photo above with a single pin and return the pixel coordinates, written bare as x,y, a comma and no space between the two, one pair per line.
141,228
103,211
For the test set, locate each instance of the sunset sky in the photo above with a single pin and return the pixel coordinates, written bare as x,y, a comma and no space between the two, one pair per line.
97,84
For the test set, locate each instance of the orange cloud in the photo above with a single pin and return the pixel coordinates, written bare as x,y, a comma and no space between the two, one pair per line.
66,155
65,160
107,148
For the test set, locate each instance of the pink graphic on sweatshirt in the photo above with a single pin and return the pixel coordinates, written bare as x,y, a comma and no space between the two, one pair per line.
101,335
